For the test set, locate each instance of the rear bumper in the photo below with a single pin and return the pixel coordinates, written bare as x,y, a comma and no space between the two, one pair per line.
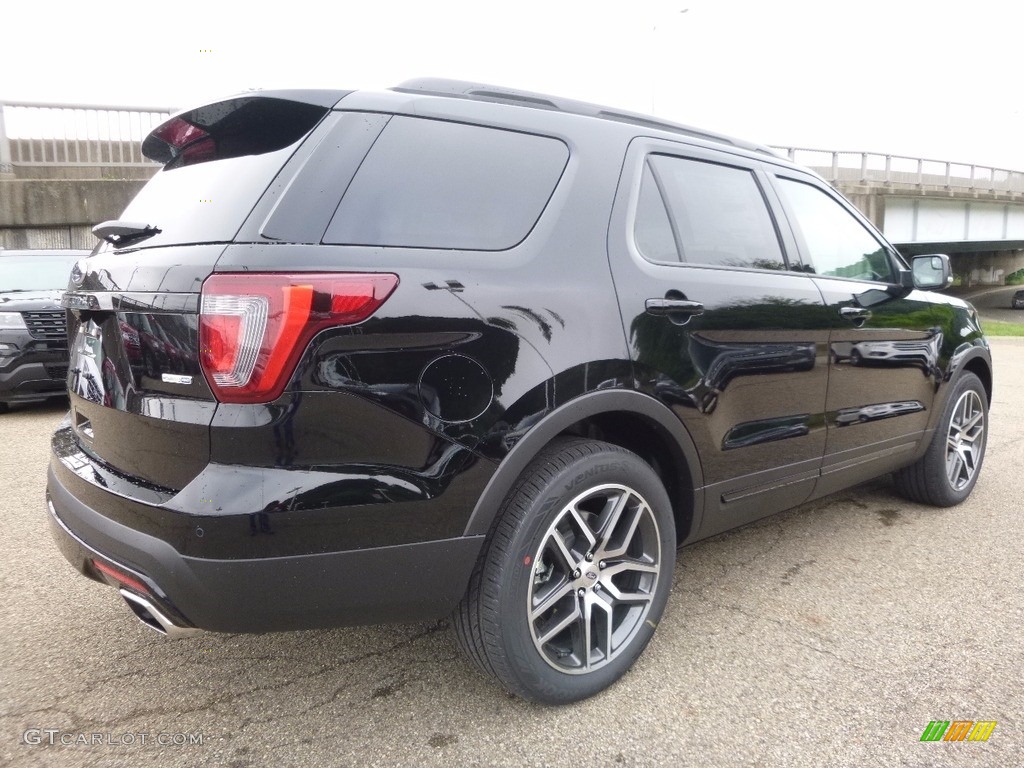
407,582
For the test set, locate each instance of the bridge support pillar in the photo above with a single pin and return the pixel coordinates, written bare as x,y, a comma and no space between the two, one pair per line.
986,268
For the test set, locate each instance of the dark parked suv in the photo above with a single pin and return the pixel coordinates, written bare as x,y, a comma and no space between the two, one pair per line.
457,350
33,336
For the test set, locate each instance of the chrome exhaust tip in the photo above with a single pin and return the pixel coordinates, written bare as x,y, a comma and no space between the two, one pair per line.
151,616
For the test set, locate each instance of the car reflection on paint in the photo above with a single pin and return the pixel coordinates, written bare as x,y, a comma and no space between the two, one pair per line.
848,416
721,362
922,353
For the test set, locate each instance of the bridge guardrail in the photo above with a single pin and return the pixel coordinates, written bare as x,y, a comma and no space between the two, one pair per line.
40,134
875,167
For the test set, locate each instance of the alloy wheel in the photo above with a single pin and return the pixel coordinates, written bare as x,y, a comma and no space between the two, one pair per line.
594,577
964,440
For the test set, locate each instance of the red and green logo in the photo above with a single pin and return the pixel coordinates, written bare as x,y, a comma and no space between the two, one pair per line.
958,730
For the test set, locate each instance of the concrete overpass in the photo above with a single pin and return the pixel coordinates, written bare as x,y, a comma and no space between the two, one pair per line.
66,167
974,213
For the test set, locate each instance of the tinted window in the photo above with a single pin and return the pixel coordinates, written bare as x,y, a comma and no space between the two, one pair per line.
219,160
434,184
835,242
651,227
301,213
717,214
207,202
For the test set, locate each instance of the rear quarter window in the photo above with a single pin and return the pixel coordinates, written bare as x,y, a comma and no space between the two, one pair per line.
435,184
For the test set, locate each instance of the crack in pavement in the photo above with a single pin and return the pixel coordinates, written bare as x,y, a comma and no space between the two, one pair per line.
83,724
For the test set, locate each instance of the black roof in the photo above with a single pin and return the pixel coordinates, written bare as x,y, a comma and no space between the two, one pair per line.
464,89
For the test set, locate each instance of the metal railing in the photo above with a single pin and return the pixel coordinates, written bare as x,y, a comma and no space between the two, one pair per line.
40,134
35,134
874,167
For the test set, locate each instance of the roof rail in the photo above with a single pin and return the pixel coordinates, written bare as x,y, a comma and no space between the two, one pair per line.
464,89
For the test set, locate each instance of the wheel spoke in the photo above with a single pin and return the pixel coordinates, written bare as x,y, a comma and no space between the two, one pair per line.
611,519
569,560
627,597
972,422
584,528
953,471
608,630
966,465
587,640
961,413
625,566
548,601
563,623
971,438
627,539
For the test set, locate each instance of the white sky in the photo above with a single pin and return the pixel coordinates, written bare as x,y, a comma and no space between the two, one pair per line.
931,79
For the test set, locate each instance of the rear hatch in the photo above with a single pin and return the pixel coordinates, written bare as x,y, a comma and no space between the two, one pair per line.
140,403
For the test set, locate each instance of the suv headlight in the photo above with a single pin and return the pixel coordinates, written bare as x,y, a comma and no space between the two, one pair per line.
11,320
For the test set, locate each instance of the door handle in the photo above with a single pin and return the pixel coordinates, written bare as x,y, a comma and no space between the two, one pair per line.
855,314
676,307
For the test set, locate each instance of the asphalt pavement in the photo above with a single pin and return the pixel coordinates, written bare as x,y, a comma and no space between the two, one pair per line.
994,303
829,635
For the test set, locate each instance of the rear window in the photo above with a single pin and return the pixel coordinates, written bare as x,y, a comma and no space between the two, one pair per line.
434,184
219,160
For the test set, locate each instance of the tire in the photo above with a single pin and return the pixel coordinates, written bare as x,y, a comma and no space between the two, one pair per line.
587,530
149,366
948,471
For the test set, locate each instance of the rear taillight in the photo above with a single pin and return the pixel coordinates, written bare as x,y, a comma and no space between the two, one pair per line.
185,142
253,327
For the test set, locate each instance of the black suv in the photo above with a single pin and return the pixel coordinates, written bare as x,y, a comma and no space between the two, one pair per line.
453,349
33,333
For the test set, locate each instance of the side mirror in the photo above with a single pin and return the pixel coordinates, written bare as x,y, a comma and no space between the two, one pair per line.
931,272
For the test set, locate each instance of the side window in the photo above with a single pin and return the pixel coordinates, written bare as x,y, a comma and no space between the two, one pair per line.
435,184
715,215
652,229
836,243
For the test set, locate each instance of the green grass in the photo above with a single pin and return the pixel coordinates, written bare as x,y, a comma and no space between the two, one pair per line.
999,328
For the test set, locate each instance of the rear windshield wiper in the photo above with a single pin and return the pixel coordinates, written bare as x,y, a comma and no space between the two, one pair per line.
121,233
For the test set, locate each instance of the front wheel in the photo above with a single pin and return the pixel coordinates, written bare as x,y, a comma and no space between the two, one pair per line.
948,471
575,575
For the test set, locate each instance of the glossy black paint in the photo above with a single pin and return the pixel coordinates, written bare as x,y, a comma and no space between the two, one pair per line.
397,440
412,582
890,367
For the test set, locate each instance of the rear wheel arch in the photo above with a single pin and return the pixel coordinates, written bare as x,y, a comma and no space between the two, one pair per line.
625,418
